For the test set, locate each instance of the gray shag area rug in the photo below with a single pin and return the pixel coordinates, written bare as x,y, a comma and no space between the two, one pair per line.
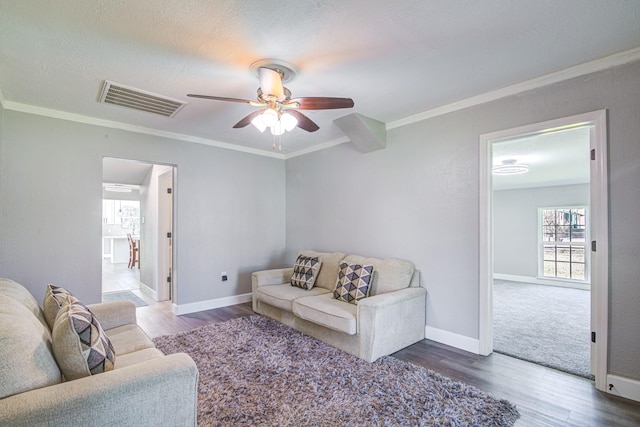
546,325
256,371
124,296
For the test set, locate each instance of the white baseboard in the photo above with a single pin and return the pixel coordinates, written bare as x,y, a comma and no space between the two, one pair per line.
210,304
538,281
148,291
623,387
462,342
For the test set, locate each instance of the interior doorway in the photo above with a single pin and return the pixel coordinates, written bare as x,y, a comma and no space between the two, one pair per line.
541,283
596,266
137,254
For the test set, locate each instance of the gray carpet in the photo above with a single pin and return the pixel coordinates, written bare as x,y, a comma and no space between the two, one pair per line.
256,371
546,325
123,296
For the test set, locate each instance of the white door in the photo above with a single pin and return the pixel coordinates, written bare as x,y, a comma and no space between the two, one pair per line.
165,235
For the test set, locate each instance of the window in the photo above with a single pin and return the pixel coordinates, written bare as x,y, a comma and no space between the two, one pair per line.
125,213
563,243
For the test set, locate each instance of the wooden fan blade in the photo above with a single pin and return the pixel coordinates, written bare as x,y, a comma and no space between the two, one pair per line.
304,122
271,83
220,98
323,103
247,119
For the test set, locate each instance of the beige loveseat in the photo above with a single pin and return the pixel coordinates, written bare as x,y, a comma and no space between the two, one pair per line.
145,387
390,318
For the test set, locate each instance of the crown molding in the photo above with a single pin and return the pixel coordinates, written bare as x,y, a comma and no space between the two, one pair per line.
64,115
610,61
317,147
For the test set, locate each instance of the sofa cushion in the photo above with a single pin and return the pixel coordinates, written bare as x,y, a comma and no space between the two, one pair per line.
282,296
26,360
136,357
54,298
128,339
390,274
327,311
19,293
80,345
329,272
305,271
354,282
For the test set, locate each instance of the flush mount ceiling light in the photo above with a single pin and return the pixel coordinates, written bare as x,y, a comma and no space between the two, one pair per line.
510,167
117,188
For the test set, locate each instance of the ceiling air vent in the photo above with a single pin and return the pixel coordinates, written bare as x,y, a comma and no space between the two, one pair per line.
125,96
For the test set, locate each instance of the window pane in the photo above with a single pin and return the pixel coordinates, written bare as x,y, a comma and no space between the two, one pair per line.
549,233
548,217
577,271
549,253
563,270
562,234
563,216
577,233
563,253
577,254
549,269
579,217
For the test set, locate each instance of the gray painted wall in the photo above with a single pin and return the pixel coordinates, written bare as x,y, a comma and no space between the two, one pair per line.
230,207
515,224
418,199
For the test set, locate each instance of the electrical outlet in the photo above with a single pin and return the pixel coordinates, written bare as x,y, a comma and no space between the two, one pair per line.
223,275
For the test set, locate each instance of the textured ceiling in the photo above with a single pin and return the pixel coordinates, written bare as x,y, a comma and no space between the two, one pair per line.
556,158
395,59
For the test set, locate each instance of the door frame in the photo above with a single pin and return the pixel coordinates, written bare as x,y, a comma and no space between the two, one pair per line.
166,254
599,203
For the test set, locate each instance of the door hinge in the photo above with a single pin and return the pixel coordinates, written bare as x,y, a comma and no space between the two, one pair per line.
593,246
169,279
593,154
593,337
168,190
168,235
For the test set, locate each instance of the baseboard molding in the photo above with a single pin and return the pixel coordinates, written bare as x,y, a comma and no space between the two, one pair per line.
148,291
462,342
538,281
623,387
194,307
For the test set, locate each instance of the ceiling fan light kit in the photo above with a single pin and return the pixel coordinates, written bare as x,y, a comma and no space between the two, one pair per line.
280,112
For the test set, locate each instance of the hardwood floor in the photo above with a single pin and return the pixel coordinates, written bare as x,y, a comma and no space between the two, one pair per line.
118,277
543,396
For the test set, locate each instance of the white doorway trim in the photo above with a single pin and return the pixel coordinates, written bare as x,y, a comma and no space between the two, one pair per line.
597,120
166,234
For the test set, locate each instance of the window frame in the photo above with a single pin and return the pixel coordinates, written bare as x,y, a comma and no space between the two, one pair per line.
586,244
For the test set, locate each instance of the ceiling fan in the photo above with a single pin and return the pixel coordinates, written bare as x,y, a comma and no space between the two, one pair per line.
279,111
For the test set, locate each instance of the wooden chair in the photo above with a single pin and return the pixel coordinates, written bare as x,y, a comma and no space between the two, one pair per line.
133,252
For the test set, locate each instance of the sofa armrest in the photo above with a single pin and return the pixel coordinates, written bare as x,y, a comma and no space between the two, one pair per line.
276,276
390,300
391,321
271,277
160,391
114,314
